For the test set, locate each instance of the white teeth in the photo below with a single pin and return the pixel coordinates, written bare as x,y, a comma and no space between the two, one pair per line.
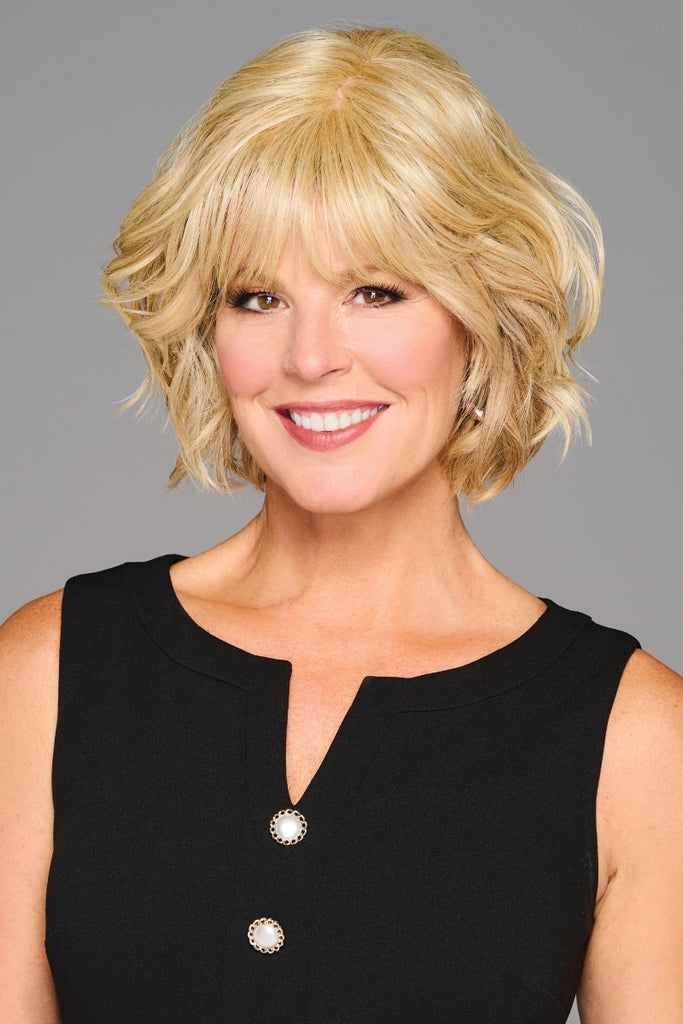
330,421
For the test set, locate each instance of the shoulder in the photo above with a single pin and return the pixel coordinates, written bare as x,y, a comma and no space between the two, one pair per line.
29,679
644,741
650,695
29,661
646,679
105,595
31,634
641,785
633,967
29,655
643,755
29,670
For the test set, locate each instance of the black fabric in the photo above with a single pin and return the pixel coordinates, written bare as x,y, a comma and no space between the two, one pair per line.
449,869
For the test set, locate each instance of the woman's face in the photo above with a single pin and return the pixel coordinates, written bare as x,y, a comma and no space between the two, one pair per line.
343,394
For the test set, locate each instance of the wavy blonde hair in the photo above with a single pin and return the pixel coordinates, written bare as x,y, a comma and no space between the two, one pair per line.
381,137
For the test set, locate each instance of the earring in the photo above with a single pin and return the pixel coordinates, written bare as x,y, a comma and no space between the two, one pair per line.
478,414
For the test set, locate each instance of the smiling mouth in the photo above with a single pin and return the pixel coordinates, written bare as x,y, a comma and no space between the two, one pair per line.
329,422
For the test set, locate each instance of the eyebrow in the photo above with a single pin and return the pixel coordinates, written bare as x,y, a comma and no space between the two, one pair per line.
348,277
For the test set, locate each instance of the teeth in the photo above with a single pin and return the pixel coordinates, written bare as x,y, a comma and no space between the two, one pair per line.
330,421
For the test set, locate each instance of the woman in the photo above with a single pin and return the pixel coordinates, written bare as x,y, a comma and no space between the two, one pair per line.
339,768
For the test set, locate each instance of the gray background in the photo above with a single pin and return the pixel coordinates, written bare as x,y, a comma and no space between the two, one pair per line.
91,94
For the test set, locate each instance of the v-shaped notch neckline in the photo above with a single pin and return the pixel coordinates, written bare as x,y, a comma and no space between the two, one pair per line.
173,630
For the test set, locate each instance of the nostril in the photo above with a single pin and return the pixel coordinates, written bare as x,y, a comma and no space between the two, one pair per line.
315,363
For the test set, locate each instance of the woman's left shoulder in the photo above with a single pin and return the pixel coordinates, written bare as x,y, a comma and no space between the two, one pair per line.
634,965
640,797
648,707
642,771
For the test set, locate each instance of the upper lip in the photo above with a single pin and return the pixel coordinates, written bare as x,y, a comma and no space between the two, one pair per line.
333,405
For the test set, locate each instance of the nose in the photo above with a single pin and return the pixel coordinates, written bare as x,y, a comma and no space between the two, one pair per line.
317,345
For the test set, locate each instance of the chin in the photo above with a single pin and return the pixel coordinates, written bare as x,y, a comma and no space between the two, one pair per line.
338,507
331,496
330,503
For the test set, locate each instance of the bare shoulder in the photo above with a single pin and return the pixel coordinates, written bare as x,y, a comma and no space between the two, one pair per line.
29,665
33,630
644,743
647,682
642,772
29,680
634,965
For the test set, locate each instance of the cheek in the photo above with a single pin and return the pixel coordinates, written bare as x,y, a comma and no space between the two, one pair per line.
245,369
431,358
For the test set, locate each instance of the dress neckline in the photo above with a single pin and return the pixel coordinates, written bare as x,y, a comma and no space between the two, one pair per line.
173,630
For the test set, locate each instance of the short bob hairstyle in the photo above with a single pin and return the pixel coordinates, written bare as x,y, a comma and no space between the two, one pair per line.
382,140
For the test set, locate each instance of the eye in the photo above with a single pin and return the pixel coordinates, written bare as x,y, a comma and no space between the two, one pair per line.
377,295
255,302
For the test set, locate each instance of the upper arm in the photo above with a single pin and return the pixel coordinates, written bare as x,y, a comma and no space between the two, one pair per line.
634,964
29,659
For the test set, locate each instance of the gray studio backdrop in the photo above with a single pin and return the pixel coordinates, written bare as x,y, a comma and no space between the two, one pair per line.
92,93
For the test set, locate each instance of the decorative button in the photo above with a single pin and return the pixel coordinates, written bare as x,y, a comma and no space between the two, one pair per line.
288,827
266,935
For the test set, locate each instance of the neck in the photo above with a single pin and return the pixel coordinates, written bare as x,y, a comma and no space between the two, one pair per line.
364,563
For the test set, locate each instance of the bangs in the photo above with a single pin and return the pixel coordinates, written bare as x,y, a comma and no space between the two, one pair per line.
324,185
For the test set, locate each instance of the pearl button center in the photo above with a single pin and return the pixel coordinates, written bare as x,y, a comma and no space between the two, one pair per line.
288,827
266,935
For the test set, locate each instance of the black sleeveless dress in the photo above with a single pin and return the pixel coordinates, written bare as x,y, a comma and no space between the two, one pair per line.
440,867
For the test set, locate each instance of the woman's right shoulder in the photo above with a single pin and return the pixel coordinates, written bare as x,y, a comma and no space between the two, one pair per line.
29,672
31,636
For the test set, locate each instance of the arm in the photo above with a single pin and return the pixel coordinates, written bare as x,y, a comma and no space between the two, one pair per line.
29,652
633,972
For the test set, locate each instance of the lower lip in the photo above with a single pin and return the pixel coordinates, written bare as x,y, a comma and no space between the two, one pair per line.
328,440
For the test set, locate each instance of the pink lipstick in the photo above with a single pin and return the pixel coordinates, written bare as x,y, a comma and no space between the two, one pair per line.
328,425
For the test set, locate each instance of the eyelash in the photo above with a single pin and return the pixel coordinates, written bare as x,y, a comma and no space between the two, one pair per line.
391,291
239,298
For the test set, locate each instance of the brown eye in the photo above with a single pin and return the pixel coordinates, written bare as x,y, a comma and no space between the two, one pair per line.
373,296
253,300
263,301
376,295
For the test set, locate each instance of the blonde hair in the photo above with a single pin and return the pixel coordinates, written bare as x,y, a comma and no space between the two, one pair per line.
381,137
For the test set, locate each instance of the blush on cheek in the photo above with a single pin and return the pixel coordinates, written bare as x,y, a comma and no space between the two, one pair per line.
429,353
241,373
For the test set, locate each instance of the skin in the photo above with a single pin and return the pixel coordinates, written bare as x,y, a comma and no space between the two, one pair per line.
363,547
